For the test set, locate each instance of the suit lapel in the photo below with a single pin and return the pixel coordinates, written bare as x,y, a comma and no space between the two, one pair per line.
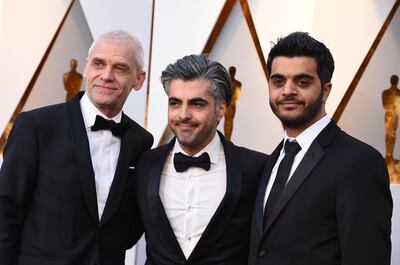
82,154
222,216
259,206
157,212
308,163
126,154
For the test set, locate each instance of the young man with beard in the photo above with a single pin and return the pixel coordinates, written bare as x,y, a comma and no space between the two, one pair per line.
196,194
324,197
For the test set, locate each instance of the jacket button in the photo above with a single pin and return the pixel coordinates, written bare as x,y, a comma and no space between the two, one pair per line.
262,253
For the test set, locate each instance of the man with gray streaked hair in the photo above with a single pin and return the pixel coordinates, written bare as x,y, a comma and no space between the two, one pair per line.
196,193
200,67
65,194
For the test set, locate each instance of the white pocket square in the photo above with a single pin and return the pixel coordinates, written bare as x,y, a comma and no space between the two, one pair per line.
131,167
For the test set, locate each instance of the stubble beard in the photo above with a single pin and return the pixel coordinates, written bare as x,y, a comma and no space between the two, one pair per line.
192,139
302,119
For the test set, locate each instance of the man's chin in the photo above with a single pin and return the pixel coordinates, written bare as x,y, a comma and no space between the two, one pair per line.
184,140
292,122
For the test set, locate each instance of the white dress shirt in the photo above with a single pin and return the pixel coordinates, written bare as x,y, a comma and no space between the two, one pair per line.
104,151
190,198
304,139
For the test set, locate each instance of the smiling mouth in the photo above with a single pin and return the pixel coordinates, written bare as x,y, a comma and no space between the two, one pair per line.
105,87
185,125
290,102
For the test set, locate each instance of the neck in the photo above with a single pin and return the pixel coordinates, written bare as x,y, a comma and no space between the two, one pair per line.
109,113
294,132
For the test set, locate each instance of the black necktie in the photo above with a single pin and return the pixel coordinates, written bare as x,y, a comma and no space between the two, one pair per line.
117,129
183,162
291,149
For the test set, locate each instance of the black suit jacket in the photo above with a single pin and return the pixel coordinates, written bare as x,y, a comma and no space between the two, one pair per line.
226,238
335,209
48,205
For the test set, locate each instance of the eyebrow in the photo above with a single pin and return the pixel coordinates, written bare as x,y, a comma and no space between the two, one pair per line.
96,59
123,64
191,101
304,75
298,76
276,76
174,99
198,100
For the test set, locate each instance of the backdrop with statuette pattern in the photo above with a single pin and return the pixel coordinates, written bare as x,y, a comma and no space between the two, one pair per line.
39,38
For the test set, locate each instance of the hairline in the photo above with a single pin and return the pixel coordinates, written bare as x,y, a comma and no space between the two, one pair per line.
123,37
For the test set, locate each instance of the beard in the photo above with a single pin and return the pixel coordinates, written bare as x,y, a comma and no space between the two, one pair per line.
301,119
200,136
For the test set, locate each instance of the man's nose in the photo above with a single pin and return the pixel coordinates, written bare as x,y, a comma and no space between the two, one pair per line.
107,74
289,88
185,112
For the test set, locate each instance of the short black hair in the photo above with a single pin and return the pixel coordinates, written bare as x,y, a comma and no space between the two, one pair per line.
302,44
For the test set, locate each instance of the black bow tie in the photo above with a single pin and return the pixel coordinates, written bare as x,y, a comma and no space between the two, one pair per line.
183,162
117,129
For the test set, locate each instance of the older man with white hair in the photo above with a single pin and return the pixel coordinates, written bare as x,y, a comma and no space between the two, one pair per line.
65,194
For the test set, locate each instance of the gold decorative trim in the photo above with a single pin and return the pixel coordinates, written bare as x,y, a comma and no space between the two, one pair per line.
32,82
219,24
350,90
146,115
212,39
250,23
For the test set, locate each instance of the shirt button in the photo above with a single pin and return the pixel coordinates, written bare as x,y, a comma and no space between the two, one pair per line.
262,253
189,238
190,208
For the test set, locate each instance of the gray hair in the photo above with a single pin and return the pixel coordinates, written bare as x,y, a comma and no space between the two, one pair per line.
194,67
125,37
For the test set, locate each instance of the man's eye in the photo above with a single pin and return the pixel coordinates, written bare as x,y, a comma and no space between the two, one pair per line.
277,82
120,68
303,82
97,63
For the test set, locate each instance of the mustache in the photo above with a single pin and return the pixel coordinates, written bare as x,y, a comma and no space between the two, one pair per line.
290,100
185,122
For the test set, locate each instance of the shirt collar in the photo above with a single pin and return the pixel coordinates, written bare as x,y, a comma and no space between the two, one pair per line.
213,149
306,138
89,112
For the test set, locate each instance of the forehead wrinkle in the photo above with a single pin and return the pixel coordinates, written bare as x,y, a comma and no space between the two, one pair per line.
121,61
113,49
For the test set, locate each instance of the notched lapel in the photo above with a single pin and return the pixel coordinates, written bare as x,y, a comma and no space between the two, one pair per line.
259,206
310,160
222,216
82,154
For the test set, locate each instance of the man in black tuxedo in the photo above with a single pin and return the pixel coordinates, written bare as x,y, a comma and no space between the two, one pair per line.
196,194
324,197
65,194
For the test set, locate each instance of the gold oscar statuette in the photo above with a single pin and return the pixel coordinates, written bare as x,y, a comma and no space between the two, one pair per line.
231,109
72,80
391,104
